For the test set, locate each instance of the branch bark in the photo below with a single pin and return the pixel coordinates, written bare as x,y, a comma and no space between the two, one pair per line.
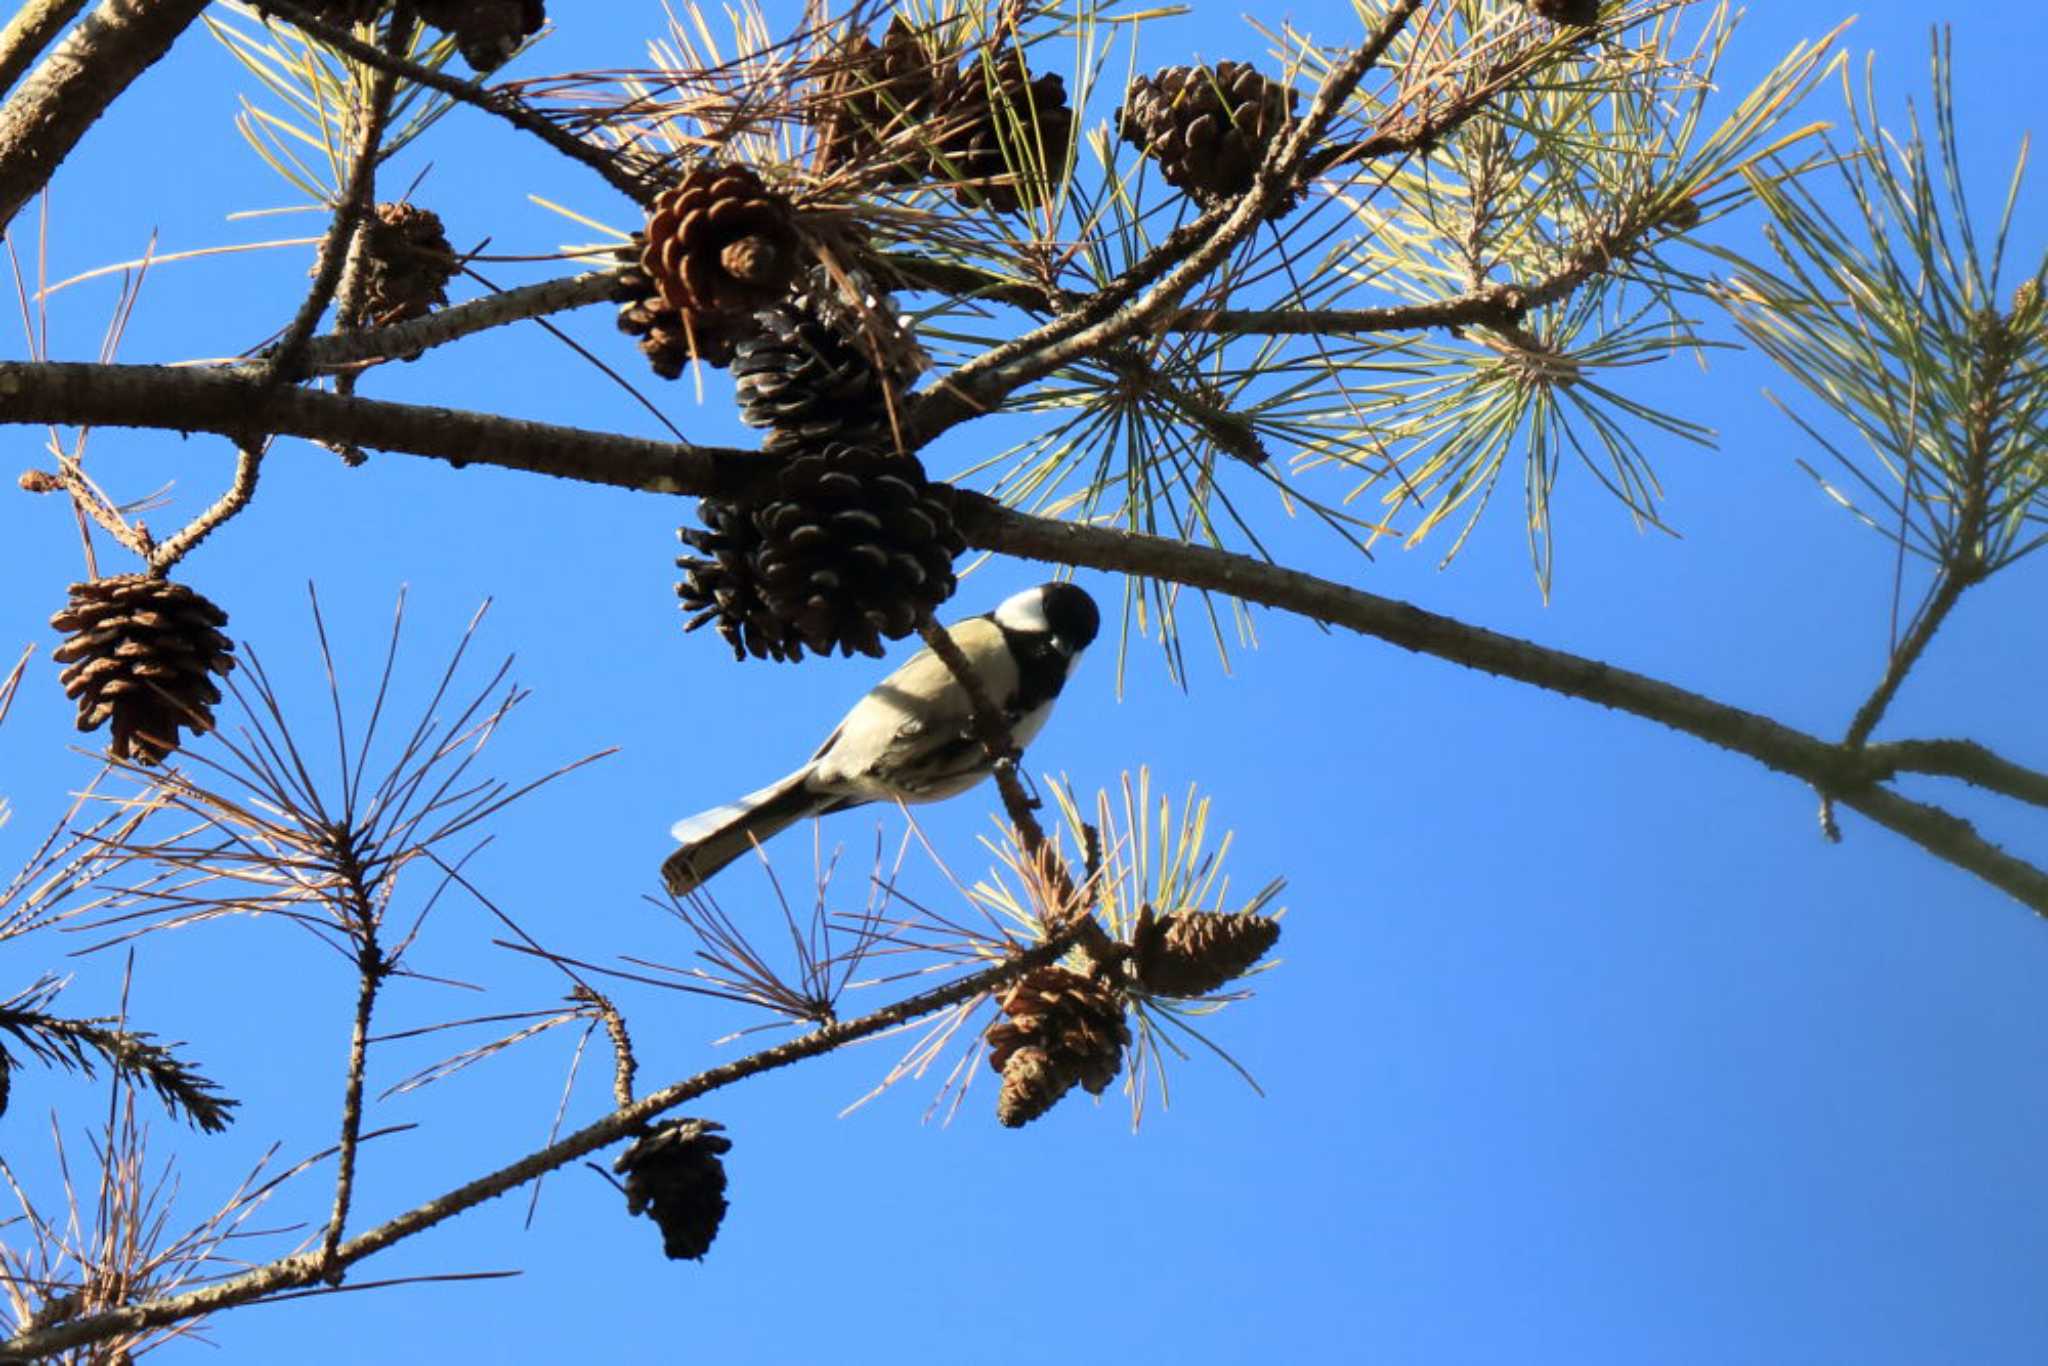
34,27
65,95
159,396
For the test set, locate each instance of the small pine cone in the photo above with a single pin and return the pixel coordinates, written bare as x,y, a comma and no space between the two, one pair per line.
808,383
879,101
1581,13
719,584
1062,1030
854,549
983,144
674,1175
1207,127
719,246
1192,953
486,32
406,265
139,655
33,480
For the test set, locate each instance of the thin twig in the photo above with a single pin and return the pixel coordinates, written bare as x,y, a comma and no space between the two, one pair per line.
624,1066
371,970
248,465
499,102
296,1272
1963,759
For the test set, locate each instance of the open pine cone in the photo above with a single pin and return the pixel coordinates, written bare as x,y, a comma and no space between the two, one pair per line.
719,586
1061,1030
140,655
719,246
808,383
854,549
1580,13
1207,127
880,101
1006,135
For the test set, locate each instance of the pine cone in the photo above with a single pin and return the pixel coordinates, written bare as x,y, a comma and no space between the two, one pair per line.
1207,127
849,301
721,587
406,265
486,32
346,13
718,247
1192,953
879,102
665,339
1582,13
853,549
808,383
673,1173
139,655
1063,1029
1005,136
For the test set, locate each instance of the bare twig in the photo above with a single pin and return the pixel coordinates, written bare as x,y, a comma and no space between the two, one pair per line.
624,1066
1963,759
294,1273
248,465
499,102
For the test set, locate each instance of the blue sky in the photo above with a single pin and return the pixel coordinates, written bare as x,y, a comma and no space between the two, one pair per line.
1585,1048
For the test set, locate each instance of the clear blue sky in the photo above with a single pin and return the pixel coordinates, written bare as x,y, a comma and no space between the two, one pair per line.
1585,1049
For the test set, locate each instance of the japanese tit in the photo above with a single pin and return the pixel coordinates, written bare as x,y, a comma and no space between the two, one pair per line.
911,739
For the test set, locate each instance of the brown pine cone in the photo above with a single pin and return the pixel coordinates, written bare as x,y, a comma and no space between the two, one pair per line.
879,103
140,654
406,264
667,339
676,1176
718,246
1061,1030
1004,138
1192,953
1207,127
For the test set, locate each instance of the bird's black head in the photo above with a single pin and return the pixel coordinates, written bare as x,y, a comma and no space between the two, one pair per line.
1061,611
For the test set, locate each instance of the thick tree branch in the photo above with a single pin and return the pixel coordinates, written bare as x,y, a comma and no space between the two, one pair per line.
34,27
154,396
65,95
306,1269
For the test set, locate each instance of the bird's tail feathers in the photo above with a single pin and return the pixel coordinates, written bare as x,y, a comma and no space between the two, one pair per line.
711,839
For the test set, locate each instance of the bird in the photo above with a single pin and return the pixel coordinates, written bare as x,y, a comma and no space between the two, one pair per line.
911,738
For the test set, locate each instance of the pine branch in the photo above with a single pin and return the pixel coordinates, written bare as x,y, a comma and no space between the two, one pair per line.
34,27
73,1044
184,399
296,1272
88,70
1964,759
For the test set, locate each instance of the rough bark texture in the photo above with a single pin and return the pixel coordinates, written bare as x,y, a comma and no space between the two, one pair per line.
73,86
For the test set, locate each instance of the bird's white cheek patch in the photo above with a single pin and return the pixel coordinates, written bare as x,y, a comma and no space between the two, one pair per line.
1024,612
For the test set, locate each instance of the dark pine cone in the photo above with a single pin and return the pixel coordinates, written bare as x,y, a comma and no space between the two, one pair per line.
486,32
808,383
1207,127
674,1175
879,104
719,246
140,654
345,12
1004,138
1062,1029
1581,13
406,266
719,584
1192,953
854,549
